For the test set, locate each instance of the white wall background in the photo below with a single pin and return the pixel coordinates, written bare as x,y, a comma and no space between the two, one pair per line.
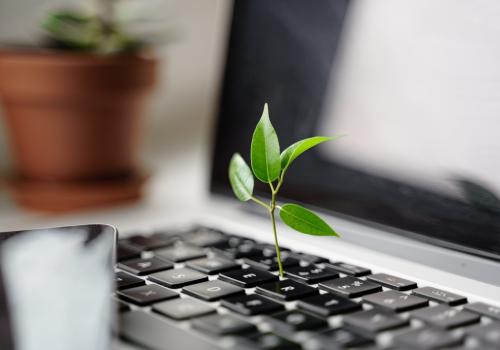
417,91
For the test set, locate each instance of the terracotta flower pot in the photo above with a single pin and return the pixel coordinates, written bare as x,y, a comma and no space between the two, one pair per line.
74,116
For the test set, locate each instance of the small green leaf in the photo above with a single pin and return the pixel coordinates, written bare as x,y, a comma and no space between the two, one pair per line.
299,147
305,221
241,178
265,150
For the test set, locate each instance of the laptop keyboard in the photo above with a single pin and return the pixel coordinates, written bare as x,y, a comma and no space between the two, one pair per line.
224,290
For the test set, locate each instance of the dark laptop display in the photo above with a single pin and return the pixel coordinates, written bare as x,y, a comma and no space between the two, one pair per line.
283,52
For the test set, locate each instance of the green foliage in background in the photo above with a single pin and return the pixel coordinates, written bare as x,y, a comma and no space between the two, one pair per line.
107,27
79,32
269,166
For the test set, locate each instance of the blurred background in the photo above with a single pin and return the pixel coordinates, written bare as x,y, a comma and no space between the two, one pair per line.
425,68
178,115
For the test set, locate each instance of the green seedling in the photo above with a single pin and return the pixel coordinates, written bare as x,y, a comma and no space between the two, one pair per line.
270,167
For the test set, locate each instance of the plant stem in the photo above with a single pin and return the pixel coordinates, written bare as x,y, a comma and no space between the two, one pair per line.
258,201
273,221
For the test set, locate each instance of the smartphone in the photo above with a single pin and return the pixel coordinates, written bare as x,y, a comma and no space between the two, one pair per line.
55,287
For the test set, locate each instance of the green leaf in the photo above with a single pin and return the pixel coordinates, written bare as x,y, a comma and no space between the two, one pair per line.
299,147
265,150
305,221
241,178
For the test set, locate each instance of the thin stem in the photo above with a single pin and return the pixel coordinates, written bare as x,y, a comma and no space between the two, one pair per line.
258,201
273,221
272,187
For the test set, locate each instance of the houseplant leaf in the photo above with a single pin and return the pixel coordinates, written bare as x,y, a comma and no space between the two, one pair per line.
305,221
265,150
241,178
299,147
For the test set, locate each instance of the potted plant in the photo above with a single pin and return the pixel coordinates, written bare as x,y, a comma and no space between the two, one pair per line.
73,111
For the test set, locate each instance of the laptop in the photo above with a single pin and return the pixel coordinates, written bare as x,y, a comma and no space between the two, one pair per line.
418,262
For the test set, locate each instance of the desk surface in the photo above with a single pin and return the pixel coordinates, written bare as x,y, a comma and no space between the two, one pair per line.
175,193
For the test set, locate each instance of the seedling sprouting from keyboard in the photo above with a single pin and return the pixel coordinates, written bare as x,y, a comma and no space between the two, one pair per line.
270,167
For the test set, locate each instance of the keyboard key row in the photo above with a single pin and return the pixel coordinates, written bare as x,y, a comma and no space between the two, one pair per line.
178,278
147,294
147,266
428,338
212,265
443,316
270,262
285,290
328,304
295,320
440,296
350,287
180,253
310,274
183,308
396,301
252,304
484,309
248,278
392,282
221,325
212,290
193,248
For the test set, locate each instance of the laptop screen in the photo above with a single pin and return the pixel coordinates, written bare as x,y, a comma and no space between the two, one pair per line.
421,155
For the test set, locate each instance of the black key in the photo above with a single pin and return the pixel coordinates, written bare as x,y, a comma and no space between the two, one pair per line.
220,325
124,280
311,274
248,278
177,278
349,269
285,290
125,252
147,294
204,237
486,333
212,265
269,341
443,316
484,309
252,304
396,301
142,267
235,241
295,320
428,338
150,242
440,296
154,332
392,282
328,304
340,338
270,263
183,308
374,321
180,253
212,290
269,250
350,286
244,250
308,258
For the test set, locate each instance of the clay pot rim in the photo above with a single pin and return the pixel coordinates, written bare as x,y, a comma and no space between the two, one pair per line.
70,196
54,56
